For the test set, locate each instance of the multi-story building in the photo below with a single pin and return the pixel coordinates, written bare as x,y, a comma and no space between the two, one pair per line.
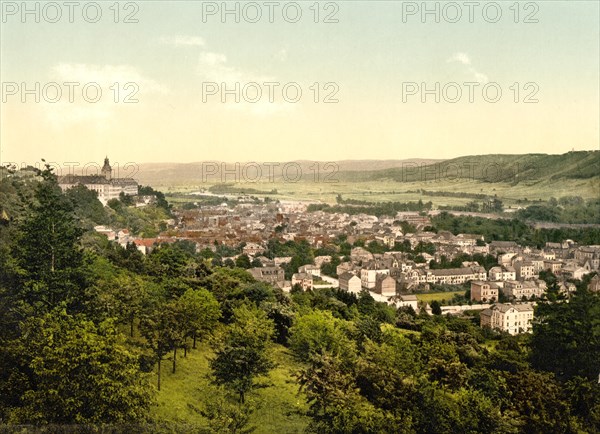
385,285
273,275
523,289
510,318
310,269
350,282
449,276
553,266
456,276
502,273
304,280
368,276
105,186
484,291
525,270
591,253
344,267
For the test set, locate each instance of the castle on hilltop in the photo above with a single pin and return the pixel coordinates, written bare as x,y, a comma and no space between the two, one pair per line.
103,184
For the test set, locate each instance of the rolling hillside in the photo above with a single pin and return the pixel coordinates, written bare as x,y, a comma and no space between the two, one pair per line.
512,178
511,169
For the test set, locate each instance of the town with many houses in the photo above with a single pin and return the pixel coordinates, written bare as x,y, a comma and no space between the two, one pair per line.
390,277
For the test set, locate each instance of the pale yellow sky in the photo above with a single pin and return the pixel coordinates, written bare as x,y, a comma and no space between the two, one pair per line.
374,65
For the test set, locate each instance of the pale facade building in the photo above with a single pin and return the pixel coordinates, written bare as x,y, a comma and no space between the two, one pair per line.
510,318
105,185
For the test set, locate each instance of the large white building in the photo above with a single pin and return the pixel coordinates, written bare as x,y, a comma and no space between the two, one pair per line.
104,184
511,318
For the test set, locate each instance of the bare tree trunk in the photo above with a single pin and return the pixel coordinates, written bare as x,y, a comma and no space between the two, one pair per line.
174,358
159,359
194,346
53,255
185,350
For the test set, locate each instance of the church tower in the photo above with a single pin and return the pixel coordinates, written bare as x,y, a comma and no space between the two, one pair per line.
107,170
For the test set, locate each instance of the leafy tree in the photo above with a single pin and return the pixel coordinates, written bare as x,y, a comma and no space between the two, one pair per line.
538,404
48,251
170,261
258,292
86,205
161,202
74,371
282,313
336,404
387,371
126,199
161,327
114,293
584,398
115,204
243,261
539,213
318,332
241,356
225,416
436,308
227,285
199,312
566,336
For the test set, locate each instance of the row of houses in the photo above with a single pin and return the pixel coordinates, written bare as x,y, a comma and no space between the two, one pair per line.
511,289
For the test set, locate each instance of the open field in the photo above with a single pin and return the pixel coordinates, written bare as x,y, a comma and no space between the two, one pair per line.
387,191
439,296
510,177
280,405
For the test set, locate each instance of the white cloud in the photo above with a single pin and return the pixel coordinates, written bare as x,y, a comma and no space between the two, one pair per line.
282,54
460,57
116,82
479,76
182,41
105,75
214,67
464,59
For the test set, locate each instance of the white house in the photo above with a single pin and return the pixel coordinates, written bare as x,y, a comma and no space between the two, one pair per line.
510,318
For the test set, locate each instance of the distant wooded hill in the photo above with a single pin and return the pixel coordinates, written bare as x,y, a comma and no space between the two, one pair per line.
512,169
491,168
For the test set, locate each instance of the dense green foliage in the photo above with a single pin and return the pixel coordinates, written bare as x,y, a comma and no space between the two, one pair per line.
241,354
378,209
513,230
84,323
568,209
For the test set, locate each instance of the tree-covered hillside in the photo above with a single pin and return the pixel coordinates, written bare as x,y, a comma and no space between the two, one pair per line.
99,338
492,168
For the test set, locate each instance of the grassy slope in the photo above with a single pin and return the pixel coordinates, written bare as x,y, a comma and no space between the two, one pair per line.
280,406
